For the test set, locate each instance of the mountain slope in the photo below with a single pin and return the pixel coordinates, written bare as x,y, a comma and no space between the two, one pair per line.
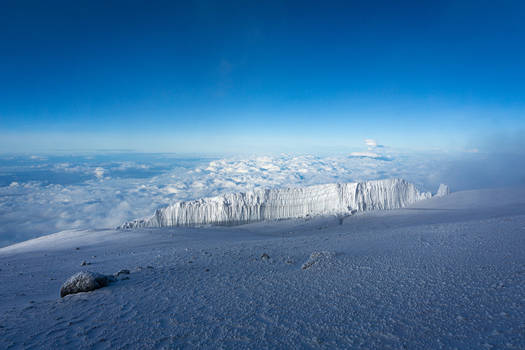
448,272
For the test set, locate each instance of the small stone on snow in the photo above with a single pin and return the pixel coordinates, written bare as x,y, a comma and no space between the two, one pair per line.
84,281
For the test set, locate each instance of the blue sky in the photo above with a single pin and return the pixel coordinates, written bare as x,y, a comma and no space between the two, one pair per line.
207,76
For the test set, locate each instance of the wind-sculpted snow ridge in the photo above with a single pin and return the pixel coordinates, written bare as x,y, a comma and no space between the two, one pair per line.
285,203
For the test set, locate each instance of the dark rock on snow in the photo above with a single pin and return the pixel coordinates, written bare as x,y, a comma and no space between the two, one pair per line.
84,281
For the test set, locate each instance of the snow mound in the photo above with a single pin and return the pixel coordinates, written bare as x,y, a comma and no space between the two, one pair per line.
317,258
84,281
285,203
443,190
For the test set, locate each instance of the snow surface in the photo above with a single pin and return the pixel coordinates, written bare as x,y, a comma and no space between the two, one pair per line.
286,203
448,272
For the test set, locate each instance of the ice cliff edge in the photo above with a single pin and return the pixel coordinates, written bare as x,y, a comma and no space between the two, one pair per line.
285,203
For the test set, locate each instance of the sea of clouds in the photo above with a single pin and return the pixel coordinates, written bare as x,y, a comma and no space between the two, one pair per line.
41,195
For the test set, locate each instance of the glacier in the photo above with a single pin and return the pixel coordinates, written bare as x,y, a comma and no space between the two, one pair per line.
285,203
443,190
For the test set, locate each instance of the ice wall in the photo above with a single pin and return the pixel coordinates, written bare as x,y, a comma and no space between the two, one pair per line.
283,203
443,190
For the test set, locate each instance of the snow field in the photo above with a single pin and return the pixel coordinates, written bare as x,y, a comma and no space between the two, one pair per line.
447,272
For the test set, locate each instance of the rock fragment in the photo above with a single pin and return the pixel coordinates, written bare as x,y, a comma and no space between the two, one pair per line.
84,281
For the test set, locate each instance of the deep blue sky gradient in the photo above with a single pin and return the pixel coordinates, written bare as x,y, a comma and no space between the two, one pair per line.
204,76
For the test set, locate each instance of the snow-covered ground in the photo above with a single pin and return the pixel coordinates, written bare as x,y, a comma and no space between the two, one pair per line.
448,272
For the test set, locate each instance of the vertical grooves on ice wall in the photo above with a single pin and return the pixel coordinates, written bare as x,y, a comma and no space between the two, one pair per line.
271,204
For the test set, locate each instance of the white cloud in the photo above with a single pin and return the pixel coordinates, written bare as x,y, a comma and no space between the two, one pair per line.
370,143
31,209
365,154
99,172
33,157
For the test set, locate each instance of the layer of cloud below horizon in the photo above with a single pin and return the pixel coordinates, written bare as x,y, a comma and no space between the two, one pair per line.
30,209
